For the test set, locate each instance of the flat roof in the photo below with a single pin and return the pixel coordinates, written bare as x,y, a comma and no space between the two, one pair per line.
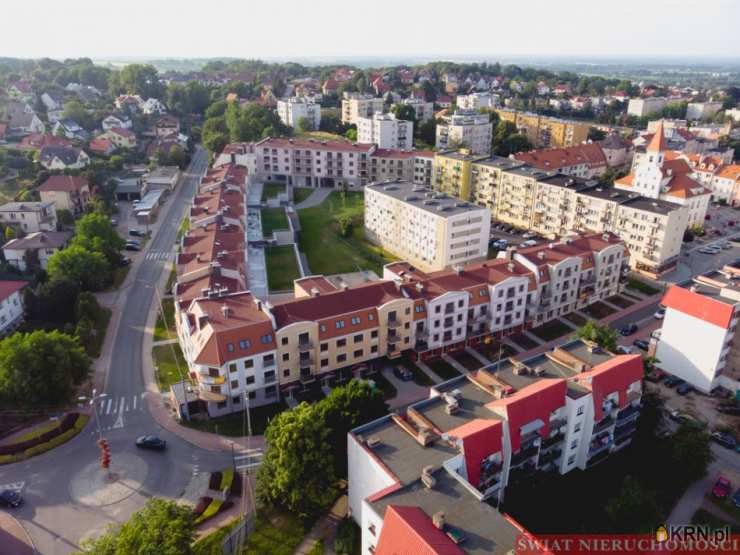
149,200
631,199
500,162
457,155
567,181
531,171
437,203
401,453
486,531
471,401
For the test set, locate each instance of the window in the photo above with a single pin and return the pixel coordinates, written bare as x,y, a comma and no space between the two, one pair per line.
419,308
252,395
374,348
230,347
355,320
286,357
374,334
232,367
358,338
358,353
234,384
571,460
250,380
322,327
236,399
268,360
574,444
221,404
244,344
324,362
286,372
371,529
579,412
284,340
339,324
249,363
266,338
341,343
371,317
270,376
324,347
341,358
271,391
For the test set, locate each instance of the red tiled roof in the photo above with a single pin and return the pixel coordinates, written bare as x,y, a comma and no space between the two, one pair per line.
699,306
682,186
410,531
36,141
320,283
66,183
100,144
122,132
590,154
657,143
7,288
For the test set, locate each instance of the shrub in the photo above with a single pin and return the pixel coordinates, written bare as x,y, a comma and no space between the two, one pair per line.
227,479
213,508
58,440
67,423
203,503
7,459
215,481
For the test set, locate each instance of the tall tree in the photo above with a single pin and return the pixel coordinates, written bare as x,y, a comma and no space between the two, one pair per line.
602,335
141,79
162,527
404,112
95,232
634,509
89,269
691,453
41,368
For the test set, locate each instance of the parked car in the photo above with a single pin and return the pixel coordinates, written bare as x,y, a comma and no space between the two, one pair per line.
113,222
641,344
683,418
659,314
136,233
656,375
726,245
708,250
529,243
151,442
10,498
403,374
125,261
629,329
722,488
684,389
133,242
501,244
132,247
736,498
725,439
672,381
529,235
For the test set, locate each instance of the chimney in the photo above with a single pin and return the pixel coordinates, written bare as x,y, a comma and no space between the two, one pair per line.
419,287
510,266
439,520
314,291
225,310
259,304
541,255
605,237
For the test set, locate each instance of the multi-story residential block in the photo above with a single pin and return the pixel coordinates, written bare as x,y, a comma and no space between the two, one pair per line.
476,101
293,110
585,160
67,192
29,217
407,165
544,131
656,174
640,107
426,480
453,171
385,131
431,230
701,110
722,178
34,250
356,105
11,305
698,341
465,129
424,110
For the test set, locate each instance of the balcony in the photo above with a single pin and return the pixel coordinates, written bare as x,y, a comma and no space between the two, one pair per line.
600,444
552,441
205,378
550,457
603,424
421,345
306,360
523,456
394,322
304,346
630,412
394,338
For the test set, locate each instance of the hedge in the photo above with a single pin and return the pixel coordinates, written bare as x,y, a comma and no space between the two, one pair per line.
226,479
78,424
64,425
213,508
202,505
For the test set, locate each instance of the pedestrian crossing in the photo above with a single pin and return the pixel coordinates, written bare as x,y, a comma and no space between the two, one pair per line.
246,459
113,408
160,255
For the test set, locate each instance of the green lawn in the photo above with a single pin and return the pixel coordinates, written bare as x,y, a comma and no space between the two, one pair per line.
165,366
443,369
282,267
272,219
327,251
165,327
119,276
642,287
276,533
551,330
234,425
301,193
211,544
184,228
598,310
171,279
620,301
272,190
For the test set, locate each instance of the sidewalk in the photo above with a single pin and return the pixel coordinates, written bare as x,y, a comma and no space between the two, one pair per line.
14,539
325,528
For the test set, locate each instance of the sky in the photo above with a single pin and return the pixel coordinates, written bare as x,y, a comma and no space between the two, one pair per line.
349,28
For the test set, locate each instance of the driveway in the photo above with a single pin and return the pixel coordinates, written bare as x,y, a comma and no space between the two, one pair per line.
317,197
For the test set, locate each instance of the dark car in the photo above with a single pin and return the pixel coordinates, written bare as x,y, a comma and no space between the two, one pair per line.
672,381
10,498
136,233
629,329
736,498
132,247
151,442
125,261
403,374
684,389
722,488
641,344
725,439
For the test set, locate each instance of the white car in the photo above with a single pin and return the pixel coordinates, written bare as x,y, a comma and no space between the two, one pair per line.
624,350
709,250
530,243
529,235
659,314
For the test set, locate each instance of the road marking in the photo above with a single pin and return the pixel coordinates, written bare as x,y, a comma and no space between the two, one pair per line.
107,410
15,486
119,422
247,466
134,402
120,408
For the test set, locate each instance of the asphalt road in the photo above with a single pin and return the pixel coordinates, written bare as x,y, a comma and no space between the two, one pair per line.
54,513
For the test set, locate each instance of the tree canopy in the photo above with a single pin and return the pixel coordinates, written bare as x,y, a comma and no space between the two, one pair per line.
95,232
162,527
602,335
141,79
41,368
89,269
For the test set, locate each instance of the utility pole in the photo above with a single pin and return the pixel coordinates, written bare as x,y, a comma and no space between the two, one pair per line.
93,401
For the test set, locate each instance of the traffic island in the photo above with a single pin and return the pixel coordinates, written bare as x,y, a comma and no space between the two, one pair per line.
95,487
44,439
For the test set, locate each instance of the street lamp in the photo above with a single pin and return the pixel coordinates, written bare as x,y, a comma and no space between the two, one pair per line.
93,401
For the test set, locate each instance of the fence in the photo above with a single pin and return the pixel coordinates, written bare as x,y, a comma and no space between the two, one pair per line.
235,540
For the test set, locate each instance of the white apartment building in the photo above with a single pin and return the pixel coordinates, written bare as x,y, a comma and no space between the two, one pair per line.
356,105
293,110
29,217
640,107
466,129
430,230
476,101
700,110
11,305
697,341
385,131
734,113
420,478
424,110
